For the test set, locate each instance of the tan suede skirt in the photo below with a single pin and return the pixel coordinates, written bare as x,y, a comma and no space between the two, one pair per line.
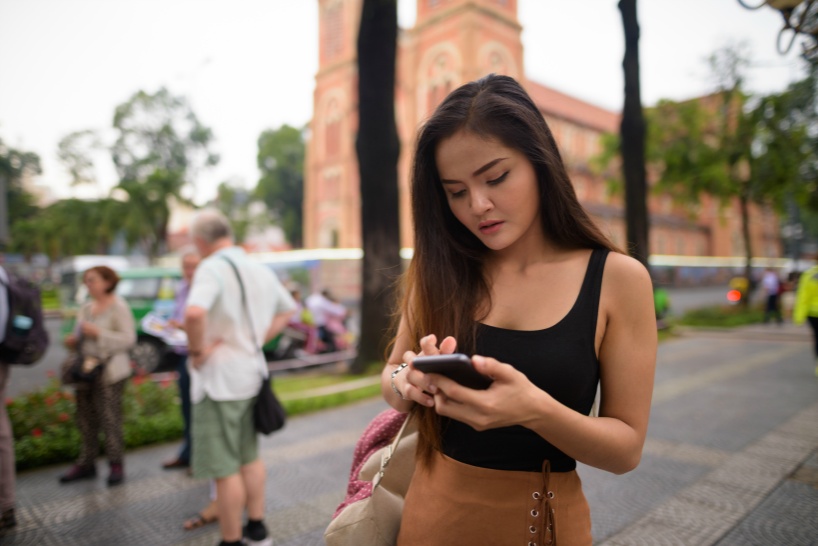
452,503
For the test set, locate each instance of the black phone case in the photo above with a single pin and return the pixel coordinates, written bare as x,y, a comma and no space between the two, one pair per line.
455,366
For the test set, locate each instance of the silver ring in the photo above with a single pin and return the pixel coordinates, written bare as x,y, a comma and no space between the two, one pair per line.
395,372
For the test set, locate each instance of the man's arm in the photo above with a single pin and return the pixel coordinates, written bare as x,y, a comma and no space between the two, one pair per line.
195,320
280,320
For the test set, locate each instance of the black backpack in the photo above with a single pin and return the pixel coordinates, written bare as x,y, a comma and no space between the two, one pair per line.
26,337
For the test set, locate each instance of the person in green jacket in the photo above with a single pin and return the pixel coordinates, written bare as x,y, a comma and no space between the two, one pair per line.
806,304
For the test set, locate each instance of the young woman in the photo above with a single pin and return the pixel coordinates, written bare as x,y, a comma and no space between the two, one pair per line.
509,269
106,331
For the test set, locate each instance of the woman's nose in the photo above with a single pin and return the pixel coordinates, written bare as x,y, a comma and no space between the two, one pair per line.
481,202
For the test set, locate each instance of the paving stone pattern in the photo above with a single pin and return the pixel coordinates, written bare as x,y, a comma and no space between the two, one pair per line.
731,459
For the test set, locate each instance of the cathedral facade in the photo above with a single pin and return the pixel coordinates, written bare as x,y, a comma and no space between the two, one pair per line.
453,42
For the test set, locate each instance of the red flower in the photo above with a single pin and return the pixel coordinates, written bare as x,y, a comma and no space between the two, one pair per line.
9,401
49,401
63,417
36,432
138,379
50,373
165,383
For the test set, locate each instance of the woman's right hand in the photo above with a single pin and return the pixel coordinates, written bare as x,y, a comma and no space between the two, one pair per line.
415,385
70,341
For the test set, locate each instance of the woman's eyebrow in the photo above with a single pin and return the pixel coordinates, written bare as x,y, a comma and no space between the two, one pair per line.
479,171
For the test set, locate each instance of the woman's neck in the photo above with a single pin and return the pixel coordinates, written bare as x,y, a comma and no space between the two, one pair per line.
104,300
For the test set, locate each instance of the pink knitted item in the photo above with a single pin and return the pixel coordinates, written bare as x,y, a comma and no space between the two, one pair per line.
378,434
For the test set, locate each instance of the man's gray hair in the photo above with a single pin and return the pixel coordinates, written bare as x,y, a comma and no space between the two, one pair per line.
210,225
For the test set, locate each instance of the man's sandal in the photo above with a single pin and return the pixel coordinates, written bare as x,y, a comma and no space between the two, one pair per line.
199,520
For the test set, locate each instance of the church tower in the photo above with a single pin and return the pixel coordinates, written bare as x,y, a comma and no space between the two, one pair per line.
452,42
332,201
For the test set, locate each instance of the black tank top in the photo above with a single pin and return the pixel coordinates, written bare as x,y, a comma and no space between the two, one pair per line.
561,360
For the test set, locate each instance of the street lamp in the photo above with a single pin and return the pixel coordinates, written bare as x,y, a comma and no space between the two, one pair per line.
800,17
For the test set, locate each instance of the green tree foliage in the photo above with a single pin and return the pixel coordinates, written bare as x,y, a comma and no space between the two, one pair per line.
378,147
160,148
785,150
281,186
20,205
75,151
68,227
235,203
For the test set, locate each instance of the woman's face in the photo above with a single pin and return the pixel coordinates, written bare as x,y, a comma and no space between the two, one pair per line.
491,189
97,286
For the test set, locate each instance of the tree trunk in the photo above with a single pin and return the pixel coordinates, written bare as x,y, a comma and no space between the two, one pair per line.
632,140
378,147
744,204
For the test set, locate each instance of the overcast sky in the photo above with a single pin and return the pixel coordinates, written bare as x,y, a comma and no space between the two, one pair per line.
249,65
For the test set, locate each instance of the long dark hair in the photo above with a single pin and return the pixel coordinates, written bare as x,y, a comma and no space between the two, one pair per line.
445,292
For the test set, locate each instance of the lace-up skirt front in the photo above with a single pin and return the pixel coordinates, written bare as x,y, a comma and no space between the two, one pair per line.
450,502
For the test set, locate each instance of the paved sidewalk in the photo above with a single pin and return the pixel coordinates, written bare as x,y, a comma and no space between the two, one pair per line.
731,459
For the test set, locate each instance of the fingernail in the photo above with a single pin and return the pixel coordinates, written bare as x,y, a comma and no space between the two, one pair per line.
430,402
432,389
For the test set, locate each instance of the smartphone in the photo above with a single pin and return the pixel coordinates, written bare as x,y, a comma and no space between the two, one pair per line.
455,366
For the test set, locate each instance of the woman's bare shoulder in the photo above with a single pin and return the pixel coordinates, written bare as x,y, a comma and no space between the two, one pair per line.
625,277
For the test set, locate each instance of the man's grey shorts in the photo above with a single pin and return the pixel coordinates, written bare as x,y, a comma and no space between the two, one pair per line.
223,436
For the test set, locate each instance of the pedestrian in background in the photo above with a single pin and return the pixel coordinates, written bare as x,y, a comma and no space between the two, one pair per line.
325,313
225,334
772,289
510,269
7,469
105,331
190,261
806,305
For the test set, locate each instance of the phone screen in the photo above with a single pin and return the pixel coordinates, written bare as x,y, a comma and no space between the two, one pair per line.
455,366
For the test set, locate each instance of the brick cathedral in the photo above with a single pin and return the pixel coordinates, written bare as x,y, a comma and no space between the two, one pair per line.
453,42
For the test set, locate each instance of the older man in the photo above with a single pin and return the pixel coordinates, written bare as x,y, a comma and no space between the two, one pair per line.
225,333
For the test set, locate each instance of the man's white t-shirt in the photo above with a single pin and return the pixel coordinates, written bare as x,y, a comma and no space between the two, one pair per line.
233,370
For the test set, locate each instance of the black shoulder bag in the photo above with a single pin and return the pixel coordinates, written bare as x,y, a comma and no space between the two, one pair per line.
268,413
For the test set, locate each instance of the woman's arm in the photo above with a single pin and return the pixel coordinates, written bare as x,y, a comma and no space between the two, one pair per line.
402,344
627,355
120,334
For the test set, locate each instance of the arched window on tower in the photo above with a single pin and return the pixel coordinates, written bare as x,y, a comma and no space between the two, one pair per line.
441,76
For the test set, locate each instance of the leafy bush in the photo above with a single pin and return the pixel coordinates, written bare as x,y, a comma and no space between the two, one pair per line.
45,431
724,316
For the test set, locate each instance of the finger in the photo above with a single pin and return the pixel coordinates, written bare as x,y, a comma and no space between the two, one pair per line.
428,345
412,392
409,356
448,345
489,366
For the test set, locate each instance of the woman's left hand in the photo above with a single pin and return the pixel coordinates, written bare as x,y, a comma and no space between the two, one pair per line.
89,329
510,400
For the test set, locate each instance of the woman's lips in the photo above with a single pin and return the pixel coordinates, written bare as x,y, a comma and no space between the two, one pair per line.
492,226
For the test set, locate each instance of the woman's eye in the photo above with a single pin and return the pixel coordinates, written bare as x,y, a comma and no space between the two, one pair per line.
456,194
498,179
